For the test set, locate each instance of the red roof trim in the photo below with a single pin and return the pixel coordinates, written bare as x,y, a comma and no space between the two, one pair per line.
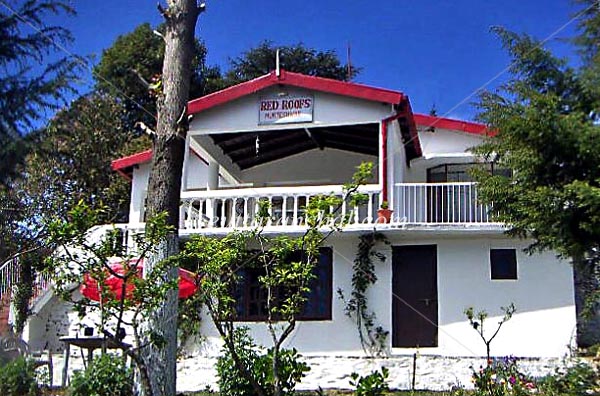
131,160
295,80
452,124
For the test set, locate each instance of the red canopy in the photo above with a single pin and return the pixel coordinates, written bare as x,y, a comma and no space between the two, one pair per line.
90,288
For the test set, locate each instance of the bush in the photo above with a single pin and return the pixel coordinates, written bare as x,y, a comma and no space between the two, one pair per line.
580,379
374,384
232,383
107,375
18,378
502,377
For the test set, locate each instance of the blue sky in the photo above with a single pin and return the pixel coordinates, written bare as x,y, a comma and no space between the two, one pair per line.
437,52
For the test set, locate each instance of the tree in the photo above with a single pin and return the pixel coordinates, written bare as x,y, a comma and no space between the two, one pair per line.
28,89
286,266
70,161
547,133
296,58
126,302
164,185
130,71
25,94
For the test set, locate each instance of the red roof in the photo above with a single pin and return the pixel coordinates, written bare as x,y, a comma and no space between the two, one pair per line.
122,164
452,124
295,80
125,165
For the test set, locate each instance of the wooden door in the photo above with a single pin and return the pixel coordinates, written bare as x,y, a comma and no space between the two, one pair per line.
414,298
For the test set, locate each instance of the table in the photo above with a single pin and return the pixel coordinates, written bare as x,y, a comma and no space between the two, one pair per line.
89,343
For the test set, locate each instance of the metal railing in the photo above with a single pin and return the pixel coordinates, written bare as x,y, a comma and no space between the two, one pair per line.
439,203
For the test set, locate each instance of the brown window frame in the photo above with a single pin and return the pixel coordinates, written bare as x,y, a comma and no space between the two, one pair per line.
250,296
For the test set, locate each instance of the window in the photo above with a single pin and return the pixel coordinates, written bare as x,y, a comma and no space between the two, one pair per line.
503,264
447,173
252,298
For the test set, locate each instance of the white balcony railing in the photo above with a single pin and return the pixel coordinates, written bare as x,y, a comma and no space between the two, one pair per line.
413,203
10,276
237,208
439,203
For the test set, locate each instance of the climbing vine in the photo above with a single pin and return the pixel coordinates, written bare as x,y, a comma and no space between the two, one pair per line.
372,338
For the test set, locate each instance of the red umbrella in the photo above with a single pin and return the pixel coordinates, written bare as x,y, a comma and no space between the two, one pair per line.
90,288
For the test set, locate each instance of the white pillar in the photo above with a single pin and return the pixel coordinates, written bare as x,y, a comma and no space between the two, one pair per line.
213,176
212,183
184,171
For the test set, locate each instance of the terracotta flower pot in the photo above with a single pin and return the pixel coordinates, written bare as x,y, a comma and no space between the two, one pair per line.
384,216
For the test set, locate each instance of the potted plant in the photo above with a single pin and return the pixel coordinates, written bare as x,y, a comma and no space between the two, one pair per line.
384,214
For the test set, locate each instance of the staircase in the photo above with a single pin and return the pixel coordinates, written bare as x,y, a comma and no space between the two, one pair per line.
10,273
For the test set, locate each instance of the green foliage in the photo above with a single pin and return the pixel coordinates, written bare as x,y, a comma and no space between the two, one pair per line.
477,321
134,62
501,377
297,58
30,87
545,118
26,93
287,266
578,380
107,375
76,255
259,365
71,161
18,378
372,338
374,384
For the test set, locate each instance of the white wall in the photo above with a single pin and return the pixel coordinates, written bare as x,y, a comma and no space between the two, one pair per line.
543,326
314,167
441,147
242,114
444,141
139,187
197,178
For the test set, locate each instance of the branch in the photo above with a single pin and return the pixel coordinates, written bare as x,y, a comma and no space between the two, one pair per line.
147,130
162,11
141,78
182,116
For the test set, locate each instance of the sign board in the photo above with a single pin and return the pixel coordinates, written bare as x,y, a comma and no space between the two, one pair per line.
285,109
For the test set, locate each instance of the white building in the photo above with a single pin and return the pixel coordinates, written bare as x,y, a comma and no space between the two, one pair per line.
287,137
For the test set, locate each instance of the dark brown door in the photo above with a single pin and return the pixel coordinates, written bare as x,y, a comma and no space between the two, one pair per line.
414,299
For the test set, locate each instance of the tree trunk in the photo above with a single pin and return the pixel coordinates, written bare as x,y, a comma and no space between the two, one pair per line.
164,186
586,283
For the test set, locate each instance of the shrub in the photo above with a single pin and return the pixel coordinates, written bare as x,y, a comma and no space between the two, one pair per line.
107,375
374,384
580,379
502,377
259,365
18,378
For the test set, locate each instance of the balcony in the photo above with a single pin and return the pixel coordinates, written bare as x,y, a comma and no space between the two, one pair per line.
414,204
439,204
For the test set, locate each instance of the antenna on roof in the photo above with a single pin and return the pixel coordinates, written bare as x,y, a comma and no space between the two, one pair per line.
349,63
277,69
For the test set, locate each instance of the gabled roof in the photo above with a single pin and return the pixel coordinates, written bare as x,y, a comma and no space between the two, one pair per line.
409,120
295,80
452,124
